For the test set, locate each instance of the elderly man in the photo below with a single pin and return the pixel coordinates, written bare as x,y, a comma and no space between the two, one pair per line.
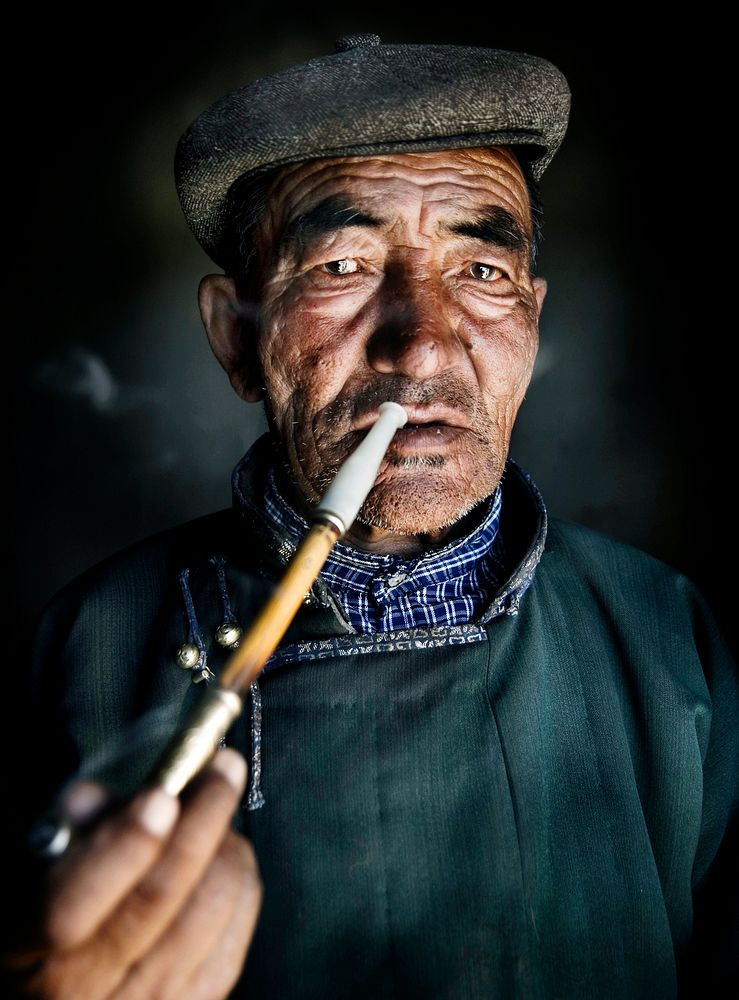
493,756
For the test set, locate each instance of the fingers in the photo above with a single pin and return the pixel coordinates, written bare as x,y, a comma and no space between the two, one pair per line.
213,931
90,881
83,801
161,893
213,978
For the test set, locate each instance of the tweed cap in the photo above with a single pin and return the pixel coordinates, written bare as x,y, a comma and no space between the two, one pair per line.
365,98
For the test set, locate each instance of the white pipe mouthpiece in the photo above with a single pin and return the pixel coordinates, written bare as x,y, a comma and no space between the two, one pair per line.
356,477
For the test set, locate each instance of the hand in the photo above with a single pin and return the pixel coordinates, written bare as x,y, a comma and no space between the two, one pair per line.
158,901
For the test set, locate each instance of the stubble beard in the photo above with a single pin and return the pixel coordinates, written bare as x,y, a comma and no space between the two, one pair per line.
428,495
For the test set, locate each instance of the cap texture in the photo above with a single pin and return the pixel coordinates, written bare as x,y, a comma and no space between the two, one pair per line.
365,98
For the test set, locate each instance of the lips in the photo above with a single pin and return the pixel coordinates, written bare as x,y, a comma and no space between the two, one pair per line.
417,425
421,419
425,437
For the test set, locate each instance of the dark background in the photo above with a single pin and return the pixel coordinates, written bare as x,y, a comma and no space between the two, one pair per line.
124,422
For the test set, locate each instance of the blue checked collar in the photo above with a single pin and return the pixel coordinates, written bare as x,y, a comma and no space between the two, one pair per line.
449,585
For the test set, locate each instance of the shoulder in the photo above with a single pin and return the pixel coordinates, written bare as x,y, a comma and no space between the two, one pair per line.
582,570
600,578
606,598
143,567
572,547
99,643
117,607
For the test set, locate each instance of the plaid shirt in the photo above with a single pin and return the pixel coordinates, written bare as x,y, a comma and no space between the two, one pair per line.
451,585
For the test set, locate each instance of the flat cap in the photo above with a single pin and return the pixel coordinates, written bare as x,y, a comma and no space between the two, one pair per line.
366,98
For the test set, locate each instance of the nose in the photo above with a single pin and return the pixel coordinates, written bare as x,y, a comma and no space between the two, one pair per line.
414,336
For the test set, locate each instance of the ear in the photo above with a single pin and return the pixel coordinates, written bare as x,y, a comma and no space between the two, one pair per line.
232,334
540,291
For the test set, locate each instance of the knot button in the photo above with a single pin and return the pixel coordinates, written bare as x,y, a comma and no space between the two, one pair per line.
188,656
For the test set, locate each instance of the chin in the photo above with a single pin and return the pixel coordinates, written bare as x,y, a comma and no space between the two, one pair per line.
424,504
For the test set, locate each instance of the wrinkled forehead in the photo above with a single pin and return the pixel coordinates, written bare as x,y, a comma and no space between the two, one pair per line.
448,178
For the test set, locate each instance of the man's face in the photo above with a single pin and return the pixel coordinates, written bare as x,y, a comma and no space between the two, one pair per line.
402,277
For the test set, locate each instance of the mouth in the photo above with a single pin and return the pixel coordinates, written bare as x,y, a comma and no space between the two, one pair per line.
417,425
432,430
427,437
420,419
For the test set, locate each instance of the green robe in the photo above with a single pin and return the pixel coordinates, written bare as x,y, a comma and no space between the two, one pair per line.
537,805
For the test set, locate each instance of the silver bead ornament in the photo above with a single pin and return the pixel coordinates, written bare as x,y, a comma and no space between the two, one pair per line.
188,656
228,634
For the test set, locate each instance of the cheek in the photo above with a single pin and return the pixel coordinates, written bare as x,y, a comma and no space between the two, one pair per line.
306,359
502,352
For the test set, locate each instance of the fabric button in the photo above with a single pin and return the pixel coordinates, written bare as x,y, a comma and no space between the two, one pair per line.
380,593
396,578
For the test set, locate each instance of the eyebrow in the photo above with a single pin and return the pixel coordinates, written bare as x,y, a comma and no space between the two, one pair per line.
495,225
328,216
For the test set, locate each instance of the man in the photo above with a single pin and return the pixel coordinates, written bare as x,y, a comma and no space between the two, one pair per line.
493,755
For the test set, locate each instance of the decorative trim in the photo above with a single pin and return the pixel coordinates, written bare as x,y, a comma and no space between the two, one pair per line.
358,644
254,798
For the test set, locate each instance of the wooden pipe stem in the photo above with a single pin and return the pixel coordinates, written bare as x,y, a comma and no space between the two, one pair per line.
268,628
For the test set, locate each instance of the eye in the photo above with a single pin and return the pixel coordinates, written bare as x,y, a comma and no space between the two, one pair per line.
484,272
347,265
